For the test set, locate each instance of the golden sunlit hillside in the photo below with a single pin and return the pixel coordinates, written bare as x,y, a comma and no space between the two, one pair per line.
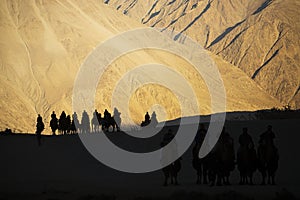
44,43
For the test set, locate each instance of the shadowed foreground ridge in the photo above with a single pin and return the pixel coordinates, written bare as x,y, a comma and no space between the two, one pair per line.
66,170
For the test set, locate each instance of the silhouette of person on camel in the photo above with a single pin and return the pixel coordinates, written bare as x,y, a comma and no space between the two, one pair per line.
107,114
152,122
246,158
39,128
118,120
85,122
75,123
147,118
268,136
53,123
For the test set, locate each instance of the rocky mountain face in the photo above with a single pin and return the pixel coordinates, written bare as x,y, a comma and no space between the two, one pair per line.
44,43
260,37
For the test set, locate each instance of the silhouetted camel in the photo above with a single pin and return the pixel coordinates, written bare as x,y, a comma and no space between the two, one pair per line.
109,122
200,165
247,164
213,160
96,121
171,170
220,161
227,156
267,156
267,163
246,158
144,123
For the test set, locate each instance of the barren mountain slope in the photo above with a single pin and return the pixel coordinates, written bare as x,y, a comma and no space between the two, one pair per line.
43,44
260,37
266,46
201,20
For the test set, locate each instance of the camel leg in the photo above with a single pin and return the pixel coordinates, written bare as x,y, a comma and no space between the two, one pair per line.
219,182
263,174
166,175
241,178
273,179
175,179
172,178
251,179
226,180
211,178
198,178
166,181
222,180
269,178
204,176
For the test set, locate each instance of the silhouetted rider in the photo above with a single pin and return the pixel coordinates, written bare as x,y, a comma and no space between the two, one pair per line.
225,138
53,115
200,134
268,136
245,140
53,123
107,115
39,128
95,114
147,117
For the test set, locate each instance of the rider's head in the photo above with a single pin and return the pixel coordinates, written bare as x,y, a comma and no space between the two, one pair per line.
269,128
245,130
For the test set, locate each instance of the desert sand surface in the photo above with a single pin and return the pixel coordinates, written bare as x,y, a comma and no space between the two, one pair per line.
61,168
